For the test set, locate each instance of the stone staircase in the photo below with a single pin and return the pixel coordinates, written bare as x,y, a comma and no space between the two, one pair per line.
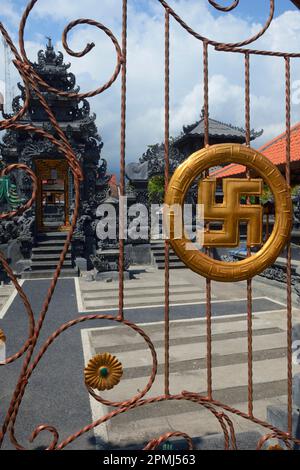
137,293
45,257
158,251
188,371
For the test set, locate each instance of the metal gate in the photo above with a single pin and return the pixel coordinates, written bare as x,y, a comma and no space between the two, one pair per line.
29,353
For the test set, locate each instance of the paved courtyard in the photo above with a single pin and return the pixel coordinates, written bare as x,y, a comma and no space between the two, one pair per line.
56,394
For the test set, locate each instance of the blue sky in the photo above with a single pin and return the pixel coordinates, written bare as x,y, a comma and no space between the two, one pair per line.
258,9
145,123
253,10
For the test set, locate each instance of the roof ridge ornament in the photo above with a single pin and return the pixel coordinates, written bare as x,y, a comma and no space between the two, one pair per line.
49,45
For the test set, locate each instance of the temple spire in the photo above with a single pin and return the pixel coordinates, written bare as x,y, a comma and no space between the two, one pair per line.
49,45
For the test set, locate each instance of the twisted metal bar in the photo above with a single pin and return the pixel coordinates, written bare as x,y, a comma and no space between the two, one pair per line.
216,43
249,281
289,251
232,431
149,401
32,82
50,429
84,319
208,309
167,178
88,48
122,162
225,9
155,443
273,435
23,110
206,96
279,433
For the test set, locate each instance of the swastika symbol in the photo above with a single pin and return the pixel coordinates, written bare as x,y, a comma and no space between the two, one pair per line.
231,211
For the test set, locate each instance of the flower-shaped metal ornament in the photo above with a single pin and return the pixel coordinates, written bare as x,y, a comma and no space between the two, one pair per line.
103,372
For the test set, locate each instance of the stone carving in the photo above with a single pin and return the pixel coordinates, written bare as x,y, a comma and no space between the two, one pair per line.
155,157
109,261
137,172
77,121
100,263
296,201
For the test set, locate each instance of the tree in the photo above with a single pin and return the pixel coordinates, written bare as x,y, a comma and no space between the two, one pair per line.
156,189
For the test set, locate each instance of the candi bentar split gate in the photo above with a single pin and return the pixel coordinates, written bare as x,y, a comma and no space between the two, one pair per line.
104,371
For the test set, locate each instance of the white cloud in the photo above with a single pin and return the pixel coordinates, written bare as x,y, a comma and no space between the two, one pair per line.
145,99
9,12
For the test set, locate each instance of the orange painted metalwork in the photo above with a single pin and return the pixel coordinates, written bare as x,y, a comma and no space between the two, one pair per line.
180,183
231,212
103,372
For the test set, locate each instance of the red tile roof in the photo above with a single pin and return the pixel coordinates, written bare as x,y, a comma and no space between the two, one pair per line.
275,150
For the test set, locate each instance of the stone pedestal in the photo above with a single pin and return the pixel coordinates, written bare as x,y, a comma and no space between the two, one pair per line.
106,264
278,417
140,254
81,264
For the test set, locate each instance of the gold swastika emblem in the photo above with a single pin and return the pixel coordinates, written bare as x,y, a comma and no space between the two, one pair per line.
231,212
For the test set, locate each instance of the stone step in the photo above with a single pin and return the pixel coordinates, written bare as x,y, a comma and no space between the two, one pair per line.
44,249
158,251
140,283
52,235
51,243
37,257
6,292
161,254
188,353
50,264
139,293
48,274
172,265
134,301
172,258
133,284
188,371
194,331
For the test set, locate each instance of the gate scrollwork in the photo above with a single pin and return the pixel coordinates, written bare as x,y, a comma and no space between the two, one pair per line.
34,83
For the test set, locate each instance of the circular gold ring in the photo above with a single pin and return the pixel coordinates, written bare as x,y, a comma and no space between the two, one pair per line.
213,156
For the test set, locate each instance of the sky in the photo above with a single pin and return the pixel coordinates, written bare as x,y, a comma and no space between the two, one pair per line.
145,98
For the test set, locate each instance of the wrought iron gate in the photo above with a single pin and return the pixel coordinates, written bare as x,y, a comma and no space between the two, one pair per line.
29,353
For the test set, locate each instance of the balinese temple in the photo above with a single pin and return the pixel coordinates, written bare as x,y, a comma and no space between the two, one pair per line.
152,163
42,230
192,138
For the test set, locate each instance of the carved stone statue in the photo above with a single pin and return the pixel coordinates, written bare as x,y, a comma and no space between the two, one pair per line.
137,172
